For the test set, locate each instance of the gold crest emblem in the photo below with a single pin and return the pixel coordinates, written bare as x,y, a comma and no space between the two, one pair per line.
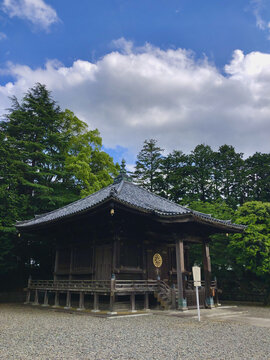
157,260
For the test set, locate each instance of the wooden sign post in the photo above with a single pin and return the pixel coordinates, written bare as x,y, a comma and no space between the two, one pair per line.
196,271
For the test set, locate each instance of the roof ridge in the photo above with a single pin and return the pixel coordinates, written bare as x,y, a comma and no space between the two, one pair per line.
120,187
152,193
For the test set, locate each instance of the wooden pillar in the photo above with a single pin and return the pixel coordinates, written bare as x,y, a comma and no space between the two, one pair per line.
132,302
36,298
96,305
114,255
146,302
81,301
56,299
207,274
71,264
45,302
180,268
144,260
68,300
56,265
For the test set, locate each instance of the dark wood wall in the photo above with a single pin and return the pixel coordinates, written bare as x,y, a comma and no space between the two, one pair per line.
97,246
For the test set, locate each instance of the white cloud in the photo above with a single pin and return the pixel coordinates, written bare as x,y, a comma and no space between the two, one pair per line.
36,11
260,22
3,36
167,95
258,7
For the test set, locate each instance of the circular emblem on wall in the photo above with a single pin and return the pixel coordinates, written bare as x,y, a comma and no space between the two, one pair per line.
157,260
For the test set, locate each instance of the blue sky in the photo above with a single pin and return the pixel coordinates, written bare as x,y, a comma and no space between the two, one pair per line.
85,31
145,43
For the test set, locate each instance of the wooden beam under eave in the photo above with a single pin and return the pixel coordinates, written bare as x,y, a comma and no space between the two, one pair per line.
170,238
194,239
173,220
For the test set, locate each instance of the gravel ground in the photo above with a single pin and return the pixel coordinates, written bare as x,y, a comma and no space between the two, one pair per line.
32,333
255,311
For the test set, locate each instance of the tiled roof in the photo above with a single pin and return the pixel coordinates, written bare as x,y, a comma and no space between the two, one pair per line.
131,195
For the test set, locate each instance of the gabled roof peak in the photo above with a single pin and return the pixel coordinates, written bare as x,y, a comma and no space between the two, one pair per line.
122,177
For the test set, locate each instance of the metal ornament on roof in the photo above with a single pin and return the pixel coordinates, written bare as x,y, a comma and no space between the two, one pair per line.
157,260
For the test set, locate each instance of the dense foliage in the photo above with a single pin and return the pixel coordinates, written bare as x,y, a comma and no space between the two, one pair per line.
204,174
147,170
227,186
48,158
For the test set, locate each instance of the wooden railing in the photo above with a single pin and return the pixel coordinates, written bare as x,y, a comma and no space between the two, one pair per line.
136,285
71,285
94,285
108,285
165,289
189,284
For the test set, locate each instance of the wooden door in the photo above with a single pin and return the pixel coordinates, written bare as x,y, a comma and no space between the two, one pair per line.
103,262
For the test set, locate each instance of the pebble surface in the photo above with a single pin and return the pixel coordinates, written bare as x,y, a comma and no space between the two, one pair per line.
32,333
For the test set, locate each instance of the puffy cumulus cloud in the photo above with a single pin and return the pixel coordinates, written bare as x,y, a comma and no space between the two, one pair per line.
168,95
36,11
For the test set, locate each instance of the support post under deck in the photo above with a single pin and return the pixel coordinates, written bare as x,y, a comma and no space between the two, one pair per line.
56,299
68,300
112,296
132,302
45,302
28,296
146,301
81,301
36,298
96,303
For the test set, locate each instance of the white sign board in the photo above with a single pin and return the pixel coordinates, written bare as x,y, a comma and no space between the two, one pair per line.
196,271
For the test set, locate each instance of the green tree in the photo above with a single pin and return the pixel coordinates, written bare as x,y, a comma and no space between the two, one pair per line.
87,165
229,175
48,158
147,170
174,180
10,205
201,179
34,130
251,249
258,177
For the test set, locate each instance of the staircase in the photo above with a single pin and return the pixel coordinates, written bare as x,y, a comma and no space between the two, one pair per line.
165,295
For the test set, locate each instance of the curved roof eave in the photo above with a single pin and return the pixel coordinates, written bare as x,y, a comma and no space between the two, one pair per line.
131,196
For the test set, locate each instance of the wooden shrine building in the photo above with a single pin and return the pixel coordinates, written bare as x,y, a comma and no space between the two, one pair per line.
124,242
